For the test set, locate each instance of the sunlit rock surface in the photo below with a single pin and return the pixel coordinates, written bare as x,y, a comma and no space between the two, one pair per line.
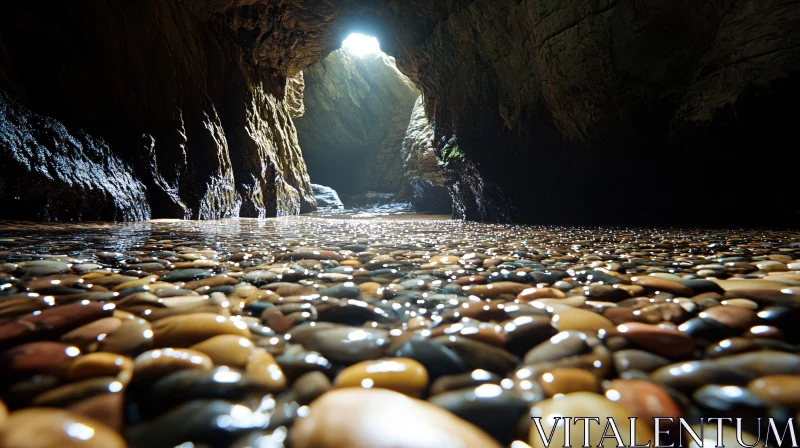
357,113
51,173
204,127
295,89
425,185
326,196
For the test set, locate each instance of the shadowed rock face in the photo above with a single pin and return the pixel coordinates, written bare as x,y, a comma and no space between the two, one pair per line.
48,172
615,111
356,114
575,111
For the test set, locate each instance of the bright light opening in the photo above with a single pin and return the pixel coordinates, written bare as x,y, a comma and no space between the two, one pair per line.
361,45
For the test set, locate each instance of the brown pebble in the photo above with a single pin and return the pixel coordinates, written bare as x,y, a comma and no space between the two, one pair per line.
48,428
565,380
781,389
227,350
644,399
731,316
584,404
531,294
101,364
495,289
36,358
659,340
381,418
133,336
263,369
582,320
186,330
402,375
88,337
662,284
106,408
154,364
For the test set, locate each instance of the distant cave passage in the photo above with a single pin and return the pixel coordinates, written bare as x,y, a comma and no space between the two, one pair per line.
353,125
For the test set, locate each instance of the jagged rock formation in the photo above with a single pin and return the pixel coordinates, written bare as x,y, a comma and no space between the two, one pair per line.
613,111
48,172
295,89
425,184
357,111
326,196
171,92
574,111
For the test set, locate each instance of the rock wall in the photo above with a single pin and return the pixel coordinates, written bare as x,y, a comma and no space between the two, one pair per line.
610,111
356,114
172,93
425,185
49,172
615,111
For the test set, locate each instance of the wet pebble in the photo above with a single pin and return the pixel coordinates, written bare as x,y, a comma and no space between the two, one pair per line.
186,330
348,344
46,428
402,375
488,406
170,334
565,380
154,364
584,404
781,389
382,418
667,342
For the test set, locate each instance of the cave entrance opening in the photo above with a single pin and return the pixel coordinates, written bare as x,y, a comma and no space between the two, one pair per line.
357,111
361,45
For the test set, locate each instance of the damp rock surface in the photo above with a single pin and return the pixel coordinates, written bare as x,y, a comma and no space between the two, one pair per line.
50,172
425,185
313,331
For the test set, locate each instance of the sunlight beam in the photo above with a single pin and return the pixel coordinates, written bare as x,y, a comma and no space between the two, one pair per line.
360,45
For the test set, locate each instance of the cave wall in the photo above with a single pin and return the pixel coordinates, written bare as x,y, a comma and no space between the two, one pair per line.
68,172
424,184
175,95
626,111
357,110
634,112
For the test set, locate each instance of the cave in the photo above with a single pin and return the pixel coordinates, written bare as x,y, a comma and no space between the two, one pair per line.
398,223
363,131
536,111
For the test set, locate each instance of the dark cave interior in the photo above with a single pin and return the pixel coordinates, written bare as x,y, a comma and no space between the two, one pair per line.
606,113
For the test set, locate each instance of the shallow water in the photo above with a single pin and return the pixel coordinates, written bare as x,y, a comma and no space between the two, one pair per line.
248,332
